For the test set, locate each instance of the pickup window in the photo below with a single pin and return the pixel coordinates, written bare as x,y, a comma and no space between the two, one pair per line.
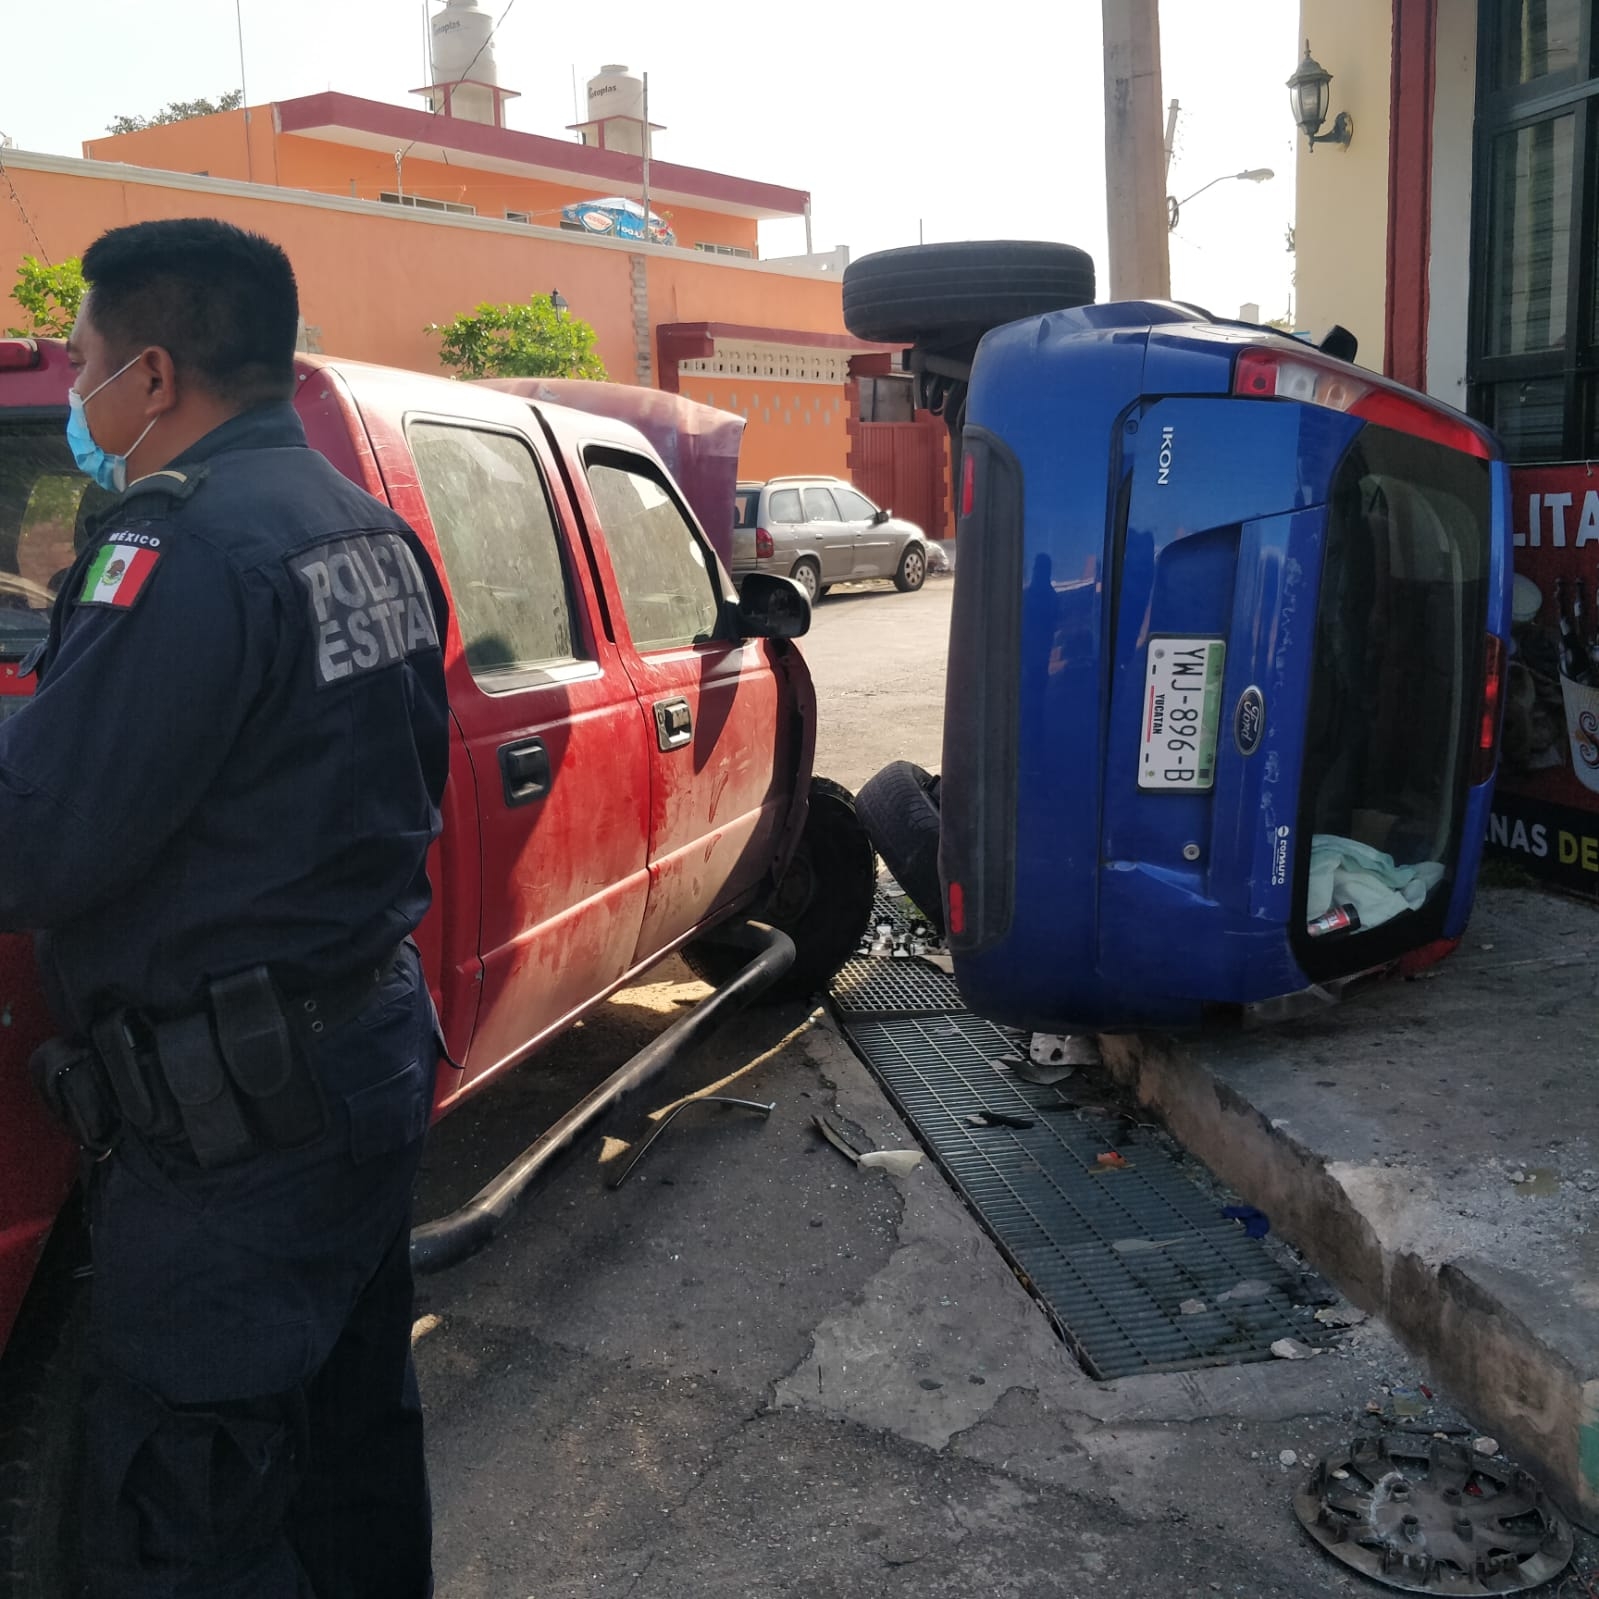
502,555
669,587
45,503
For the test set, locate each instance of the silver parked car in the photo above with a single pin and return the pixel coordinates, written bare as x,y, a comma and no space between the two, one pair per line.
820,531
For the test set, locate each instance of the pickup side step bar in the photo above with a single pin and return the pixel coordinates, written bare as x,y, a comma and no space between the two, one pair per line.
448,1241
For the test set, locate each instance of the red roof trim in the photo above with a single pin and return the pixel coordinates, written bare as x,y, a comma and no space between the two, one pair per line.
606,168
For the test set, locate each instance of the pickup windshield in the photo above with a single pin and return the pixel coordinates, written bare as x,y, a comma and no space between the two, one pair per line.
44,503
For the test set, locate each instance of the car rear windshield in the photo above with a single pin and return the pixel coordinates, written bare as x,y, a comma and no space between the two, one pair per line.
1396,692
45,503
746,503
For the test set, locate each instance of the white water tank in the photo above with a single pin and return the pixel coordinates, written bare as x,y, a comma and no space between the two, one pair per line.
615,92
463,48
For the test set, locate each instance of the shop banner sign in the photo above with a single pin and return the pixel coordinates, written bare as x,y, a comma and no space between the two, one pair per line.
1546,803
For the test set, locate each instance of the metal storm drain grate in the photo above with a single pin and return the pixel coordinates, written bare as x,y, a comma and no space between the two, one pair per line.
876,987
1137,1266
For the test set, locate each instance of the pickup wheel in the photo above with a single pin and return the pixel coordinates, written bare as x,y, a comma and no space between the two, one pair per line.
945,294
823,902
41,1380
809,577
900,810
912,571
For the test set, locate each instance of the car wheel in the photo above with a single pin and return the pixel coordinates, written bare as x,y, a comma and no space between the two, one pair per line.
912,571
899,808
41,1380
949,293
809,577
823,901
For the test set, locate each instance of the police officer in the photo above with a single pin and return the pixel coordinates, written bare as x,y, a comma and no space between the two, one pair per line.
217,811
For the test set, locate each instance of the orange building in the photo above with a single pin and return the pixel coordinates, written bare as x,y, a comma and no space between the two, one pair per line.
397,218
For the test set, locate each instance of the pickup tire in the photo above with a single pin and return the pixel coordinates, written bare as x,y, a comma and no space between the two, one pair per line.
944,294
912,571
41,1382
823,902
899,808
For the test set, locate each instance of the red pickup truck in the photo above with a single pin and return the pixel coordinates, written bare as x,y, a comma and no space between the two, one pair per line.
630,762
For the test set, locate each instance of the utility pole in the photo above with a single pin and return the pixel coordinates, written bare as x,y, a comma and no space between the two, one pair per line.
646,158
1171,134
1135,189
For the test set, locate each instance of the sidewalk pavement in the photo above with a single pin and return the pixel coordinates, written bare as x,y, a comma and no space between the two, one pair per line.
1433,1147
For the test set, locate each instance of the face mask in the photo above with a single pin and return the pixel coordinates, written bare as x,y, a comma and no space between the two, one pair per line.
109,471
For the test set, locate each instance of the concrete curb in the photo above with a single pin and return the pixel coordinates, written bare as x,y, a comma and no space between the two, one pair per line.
1523,1363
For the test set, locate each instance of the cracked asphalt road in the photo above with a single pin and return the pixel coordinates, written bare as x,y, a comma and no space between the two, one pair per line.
755,1371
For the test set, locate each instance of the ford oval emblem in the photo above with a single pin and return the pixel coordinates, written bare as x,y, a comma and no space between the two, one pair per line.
1249,720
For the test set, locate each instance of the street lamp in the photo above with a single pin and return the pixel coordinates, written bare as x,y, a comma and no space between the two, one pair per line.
1309,93
558,302
1174,208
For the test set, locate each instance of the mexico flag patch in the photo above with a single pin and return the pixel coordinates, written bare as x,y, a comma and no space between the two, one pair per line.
118,575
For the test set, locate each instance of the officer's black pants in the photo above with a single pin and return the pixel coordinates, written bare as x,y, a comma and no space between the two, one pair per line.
253,1424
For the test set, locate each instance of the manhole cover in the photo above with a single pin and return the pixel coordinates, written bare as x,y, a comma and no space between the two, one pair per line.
1432,1517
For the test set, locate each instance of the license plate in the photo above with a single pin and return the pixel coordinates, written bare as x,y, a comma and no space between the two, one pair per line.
1182,711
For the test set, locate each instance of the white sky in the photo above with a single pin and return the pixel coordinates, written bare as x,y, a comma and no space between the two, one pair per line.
974,121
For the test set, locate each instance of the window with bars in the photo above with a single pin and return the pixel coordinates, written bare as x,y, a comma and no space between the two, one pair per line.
422,203
1535,339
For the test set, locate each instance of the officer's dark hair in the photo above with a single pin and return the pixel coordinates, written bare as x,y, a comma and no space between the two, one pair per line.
220,301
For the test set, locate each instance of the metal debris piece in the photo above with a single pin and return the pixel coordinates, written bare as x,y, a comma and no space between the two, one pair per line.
1486,1446
836,1138
1064,1049
1293,1349
1341,1316
1000,1118
1431,1517
1031,1072
762,1106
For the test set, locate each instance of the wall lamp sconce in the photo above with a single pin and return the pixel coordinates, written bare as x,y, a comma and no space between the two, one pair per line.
558,301
1309,94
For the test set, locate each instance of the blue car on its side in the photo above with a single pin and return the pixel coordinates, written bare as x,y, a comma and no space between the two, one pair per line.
1227,654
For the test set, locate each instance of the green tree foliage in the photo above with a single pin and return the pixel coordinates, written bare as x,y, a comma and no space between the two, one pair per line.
179,111
50,295
534,340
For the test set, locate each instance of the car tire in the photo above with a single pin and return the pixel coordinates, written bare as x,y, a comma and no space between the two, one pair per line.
952,293
823,902
809,577
899,808
912,571
41,1383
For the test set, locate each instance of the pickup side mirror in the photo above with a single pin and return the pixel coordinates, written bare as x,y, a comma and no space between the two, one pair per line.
880,517
772,607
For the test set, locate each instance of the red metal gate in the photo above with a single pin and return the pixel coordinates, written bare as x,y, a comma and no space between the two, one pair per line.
905,466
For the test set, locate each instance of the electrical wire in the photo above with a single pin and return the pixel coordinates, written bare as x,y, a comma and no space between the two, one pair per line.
510,7
16,200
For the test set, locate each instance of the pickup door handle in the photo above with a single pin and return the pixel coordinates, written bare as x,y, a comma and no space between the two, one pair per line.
525,771
674,723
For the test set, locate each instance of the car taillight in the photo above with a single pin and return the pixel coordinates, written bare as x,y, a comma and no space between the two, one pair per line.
19,355
968,483
1493,693
957,900
1269,374
764,549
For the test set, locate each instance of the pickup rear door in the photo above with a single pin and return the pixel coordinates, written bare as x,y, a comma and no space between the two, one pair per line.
551,724
713,714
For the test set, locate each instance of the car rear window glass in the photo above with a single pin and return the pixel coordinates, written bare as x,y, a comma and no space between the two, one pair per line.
746,503
45,507
1396,687
670,590
785,506
502,554
819,506
854,507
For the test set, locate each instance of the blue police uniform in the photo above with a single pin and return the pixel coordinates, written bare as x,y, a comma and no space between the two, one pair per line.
234,760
